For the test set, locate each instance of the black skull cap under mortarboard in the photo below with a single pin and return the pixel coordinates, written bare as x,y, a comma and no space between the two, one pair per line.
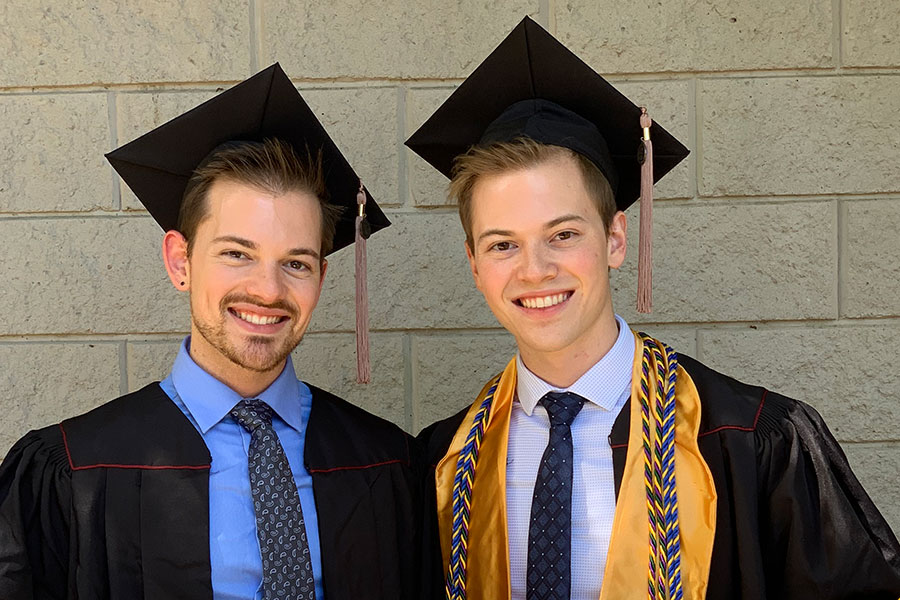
533,86
158,165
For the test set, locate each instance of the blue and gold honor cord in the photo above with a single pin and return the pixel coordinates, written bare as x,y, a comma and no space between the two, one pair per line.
664,565
462,498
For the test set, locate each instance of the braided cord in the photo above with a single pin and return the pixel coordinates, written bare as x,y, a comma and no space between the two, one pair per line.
455,588
664,573
648,470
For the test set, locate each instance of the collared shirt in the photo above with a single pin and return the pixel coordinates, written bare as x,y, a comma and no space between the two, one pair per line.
606,386
206,402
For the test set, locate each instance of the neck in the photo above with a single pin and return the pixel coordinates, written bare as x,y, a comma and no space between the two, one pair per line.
246,382
564,367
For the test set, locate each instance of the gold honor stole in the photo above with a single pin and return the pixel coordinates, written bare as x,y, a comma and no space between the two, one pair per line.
625,576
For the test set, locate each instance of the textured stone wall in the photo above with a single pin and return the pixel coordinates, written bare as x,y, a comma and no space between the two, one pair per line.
777,250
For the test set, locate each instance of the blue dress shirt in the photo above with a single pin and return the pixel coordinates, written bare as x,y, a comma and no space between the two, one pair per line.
233,546
606,386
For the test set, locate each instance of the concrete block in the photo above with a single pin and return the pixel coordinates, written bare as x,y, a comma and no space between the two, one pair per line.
52,153
363,122
735,263
386,39
329,362
419,278
799,136
669,103
138,113
877,466
52,43
696,36
90,275
450,369
870,34
871,277
427,187
150,360
846,372
42,383
680,338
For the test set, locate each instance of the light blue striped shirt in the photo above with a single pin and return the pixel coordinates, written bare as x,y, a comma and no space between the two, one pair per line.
606,386
233,546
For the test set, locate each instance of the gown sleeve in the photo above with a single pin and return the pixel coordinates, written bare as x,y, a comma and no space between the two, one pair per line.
35,517
823,537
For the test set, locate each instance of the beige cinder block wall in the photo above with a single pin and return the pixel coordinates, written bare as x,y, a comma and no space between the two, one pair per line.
776,253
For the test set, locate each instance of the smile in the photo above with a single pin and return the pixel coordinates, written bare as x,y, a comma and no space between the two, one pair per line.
257,319
544,301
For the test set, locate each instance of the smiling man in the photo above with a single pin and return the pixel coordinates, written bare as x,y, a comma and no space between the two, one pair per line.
600,463
230,478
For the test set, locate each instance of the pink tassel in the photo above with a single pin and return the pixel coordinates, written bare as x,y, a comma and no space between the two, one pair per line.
363,367
645,244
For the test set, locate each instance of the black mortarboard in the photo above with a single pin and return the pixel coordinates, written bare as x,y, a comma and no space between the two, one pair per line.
531,85
158,165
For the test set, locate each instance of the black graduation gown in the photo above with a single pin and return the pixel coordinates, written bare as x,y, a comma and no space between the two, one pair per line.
792,522
115,504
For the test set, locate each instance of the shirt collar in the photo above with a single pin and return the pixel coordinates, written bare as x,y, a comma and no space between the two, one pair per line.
209,400
603,384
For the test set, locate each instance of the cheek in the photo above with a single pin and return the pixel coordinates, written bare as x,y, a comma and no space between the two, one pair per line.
492,279
591,264
305,293
214,283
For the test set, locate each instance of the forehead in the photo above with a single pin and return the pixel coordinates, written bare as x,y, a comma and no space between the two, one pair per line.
537,194
249,212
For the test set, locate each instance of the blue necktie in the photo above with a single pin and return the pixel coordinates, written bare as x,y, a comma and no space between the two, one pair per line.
287,570
549,575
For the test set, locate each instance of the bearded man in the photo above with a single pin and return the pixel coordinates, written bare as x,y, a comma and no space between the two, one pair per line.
230,478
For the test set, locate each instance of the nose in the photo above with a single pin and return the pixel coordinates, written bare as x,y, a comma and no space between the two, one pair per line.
537,264
265,283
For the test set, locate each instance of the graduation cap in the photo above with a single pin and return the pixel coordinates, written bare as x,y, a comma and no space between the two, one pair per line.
158,165
532,86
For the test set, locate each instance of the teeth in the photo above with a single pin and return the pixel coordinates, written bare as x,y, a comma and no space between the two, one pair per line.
544,301
257,319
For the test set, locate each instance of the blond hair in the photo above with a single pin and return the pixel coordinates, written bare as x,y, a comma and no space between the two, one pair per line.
517,155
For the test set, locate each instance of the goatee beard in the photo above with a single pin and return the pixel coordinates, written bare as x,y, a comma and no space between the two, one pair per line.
255,353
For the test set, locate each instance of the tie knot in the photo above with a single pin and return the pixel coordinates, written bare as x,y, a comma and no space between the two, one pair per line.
562,407
252,414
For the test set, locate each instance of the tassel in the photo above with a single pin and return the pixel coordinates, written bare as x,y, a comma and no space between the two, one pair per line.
645,244
363,367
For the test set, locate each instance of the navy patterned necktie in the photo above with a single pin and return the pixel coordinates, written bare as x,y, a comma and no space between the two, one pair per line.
549,575
287,570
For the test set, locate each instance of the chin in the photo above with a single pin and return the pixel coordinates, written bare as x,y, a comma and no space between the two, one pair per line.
261,354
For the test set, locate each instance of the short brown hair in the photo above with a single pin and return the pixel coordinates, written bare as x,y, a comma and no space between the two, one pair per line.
272,166
517,155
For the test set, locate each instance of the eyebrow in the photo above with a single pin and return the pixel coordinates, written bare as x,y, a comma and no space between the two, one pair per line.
549,225
299,251
563,219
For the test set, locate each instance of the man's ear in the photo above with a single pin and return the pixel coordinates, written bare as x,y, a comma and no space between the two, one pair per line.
471,256
175,257
617,240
